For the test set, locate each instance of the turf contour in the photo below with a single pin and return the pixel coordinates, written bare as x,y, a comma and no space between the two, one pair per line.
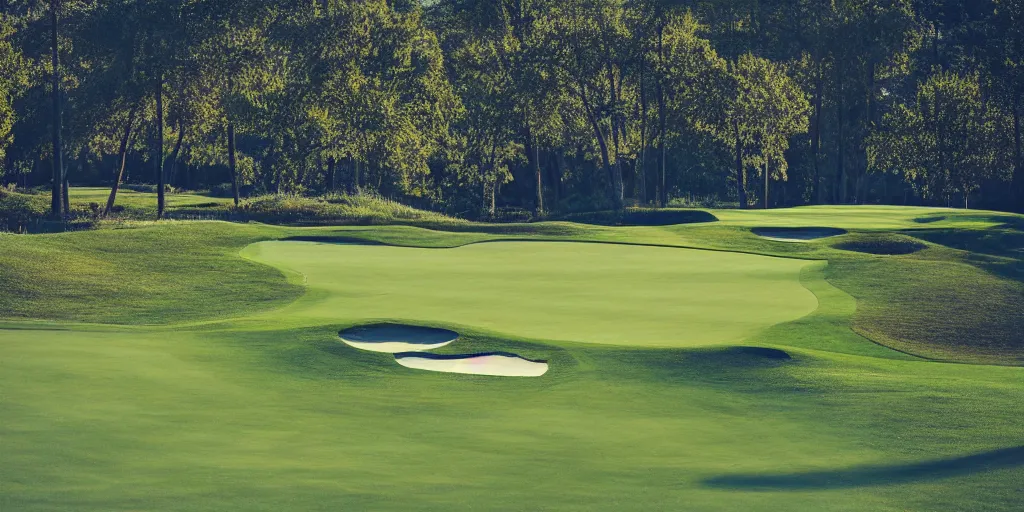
245,399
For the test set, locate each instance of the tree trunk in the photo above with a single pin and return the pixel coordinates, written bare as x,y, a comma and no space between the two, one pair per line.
767,170
540,179
533,156
816,136
176,152
56,201
355,176
741,181
618,187
602,143
124,160
66,199
492,177
330,173
662,188
642,173
560,167
1018,161
233,163
494,193
840,191
483,194
940,153
158,159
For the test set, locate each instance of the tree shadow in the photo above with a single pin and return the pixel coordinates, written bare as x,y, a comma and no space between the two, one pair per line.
867,476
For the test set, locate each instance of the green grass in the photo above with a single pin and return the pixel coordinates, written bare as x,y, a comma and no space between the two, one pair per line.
28,211
176,272
242,398
591,293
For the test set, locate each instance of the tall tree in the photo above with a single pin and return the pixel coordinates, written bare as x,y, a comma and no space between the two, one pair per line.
13,80
768,109
57,154
948,141
1006,60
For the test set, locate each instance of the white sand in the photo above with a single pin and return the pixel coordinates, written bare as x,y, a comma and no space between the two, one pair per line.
485,364
393,347
782,239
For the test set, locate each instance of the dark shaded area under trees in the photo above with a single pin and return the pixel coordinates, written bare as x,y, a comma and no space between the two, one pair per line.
481,107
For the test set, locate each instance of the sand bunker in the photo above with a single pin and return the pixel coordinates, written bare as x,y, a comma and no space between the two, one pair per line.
496,363
393,338
796,234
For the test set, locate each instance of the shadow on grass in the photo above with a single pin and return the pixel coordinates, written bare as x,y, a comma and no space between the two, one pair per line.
867,476
802,233
641,217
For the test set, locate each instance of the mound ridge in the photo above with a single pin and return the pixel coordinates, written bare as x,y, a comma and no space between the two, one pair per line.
882,244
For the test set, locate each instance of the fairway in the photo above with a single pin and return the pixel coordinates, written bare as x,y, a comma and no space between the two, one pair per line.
210,366
591,293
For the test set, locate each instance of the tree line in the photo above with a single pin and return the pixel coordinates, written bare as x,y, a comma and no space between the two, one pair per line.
475,107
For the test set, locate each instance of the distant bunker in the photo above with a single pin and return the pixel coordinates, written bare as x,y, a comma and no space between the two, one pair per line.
797,234
500,364
394,338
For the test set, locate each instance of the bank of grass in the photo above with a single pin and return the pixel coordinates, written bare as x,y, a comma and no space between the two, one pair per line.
944,302
335,209
159,274
268,411
28,211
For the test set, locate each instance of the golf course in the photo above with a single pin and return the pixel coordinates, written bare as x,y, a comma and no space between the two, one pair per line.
815,358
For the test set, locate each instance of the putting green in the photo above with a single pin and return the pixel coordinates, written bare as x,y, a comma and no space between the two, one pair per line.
594,293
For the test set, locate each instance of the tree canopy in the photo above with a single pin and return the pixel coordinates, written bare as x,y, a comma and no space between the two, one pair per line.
481,108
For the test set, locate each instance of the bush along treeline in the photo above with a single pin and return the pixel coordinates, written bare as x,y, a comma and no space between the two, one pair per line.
477,107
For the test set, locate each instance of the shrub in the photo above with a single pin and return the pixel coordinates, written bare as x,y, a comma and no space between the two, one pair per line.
20,211
333,209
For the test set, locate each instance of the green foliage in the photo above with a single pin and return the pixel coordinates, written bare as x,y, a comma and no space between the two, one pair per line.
949,140
333,209
531,105
20,211
13,80
768,110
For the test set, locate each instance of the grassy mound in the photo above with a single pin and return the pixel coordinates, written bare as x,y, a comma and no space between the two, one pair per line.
885,244
333,210
167,273
21,212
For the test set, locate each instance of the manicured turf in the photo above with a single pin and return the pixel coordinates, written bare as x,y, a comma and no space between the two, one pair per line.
590,293
672,386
